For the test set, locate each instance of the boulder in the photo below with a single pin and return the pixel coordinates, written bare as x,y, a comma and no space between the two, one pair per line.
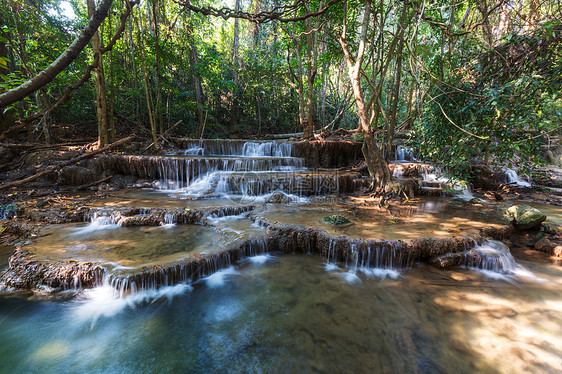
278,198
544,245
524,216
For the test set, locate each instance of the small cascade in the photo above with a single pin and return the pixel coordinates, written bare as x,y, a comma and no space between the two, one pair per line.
222,169
170,220
463,192
100,221
235,147
266,149
491,256
403,154
373,259
398,171
157,277
511,177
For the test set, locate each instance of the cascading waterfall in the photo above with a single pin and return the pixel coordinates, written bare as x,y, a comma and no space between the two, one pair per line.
494,259
100,221
185,273
223,169
511,177
373,259
492,256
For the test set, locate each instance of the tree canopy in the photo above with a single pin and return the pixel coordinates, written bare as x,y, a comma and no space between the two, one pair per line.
458,80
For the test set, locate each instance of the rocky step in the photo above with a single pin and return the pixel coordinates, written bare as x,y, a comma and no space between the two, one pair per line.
27,273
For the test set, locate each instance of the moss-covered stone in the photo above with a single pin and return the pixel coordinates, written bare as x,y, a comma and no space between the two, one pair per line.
336,220
524,216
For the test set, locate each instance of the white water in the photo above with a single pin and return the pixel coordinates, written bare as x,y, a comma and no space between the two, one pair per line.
499,264
169,220
261,259
106,301
219,278
98,223
398,171
463,192
380,273
234,169
512,178
403,153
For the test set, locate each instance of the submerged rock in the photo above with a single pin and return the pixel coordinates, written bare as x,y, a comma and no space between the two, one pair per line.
544,245
336,220
524,216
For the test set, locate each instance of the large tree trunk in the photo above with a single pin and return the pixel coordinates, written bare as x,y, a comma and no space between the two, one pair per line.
101,94
69,55
311,75
377,166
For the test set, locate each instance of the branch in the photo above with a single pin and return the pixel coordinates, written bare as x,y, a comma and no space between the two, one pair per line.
46,76
54,168
445,27
88,73
458,127
263,17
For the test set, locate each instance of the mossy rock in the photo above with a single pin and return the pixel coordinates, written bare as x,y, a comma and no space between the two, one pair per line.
336,220
524,216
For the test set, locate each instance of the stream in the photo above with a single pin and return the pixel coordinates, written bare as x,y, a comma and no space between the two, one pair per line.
263,311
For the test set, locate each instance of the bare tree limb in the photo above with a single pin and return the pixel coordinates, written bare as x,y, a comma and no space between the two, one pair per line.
277,14
54,168
46,76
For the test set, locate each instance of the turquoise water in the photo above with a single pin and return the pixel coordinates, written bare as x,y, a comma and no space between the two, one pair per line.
290,314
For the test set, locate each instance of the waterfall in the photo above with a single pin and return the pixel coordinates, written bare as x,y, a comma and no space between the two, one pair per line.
373,259
398,171
491,255
210,168
403,153
463,192
100,221
511,177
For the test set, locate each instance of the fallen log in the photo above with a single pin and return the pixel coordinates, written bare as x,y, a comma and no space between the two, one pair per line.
84,186
11,131
54,168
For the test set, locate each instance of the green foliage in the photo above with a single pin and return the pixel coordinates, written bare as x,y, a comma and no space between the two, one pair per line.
503,102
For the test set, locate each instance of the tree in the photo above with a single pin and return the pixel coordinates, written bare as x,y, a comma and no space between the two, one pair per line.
47,75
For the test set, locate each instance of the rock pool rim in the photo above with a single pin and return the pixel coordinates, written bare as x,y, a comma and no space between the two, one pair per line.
27,274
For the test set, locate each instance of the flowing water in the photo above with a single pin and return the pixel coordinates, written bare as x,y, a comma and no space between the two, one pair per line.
288,314
511,177
280,313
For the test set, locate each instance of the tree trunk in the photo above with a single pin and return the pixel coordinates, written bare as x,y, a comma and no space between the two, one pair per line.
99,77
158,107
149,106
6,118
396,90
311,75
235,132
69,55
378,168
195,80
